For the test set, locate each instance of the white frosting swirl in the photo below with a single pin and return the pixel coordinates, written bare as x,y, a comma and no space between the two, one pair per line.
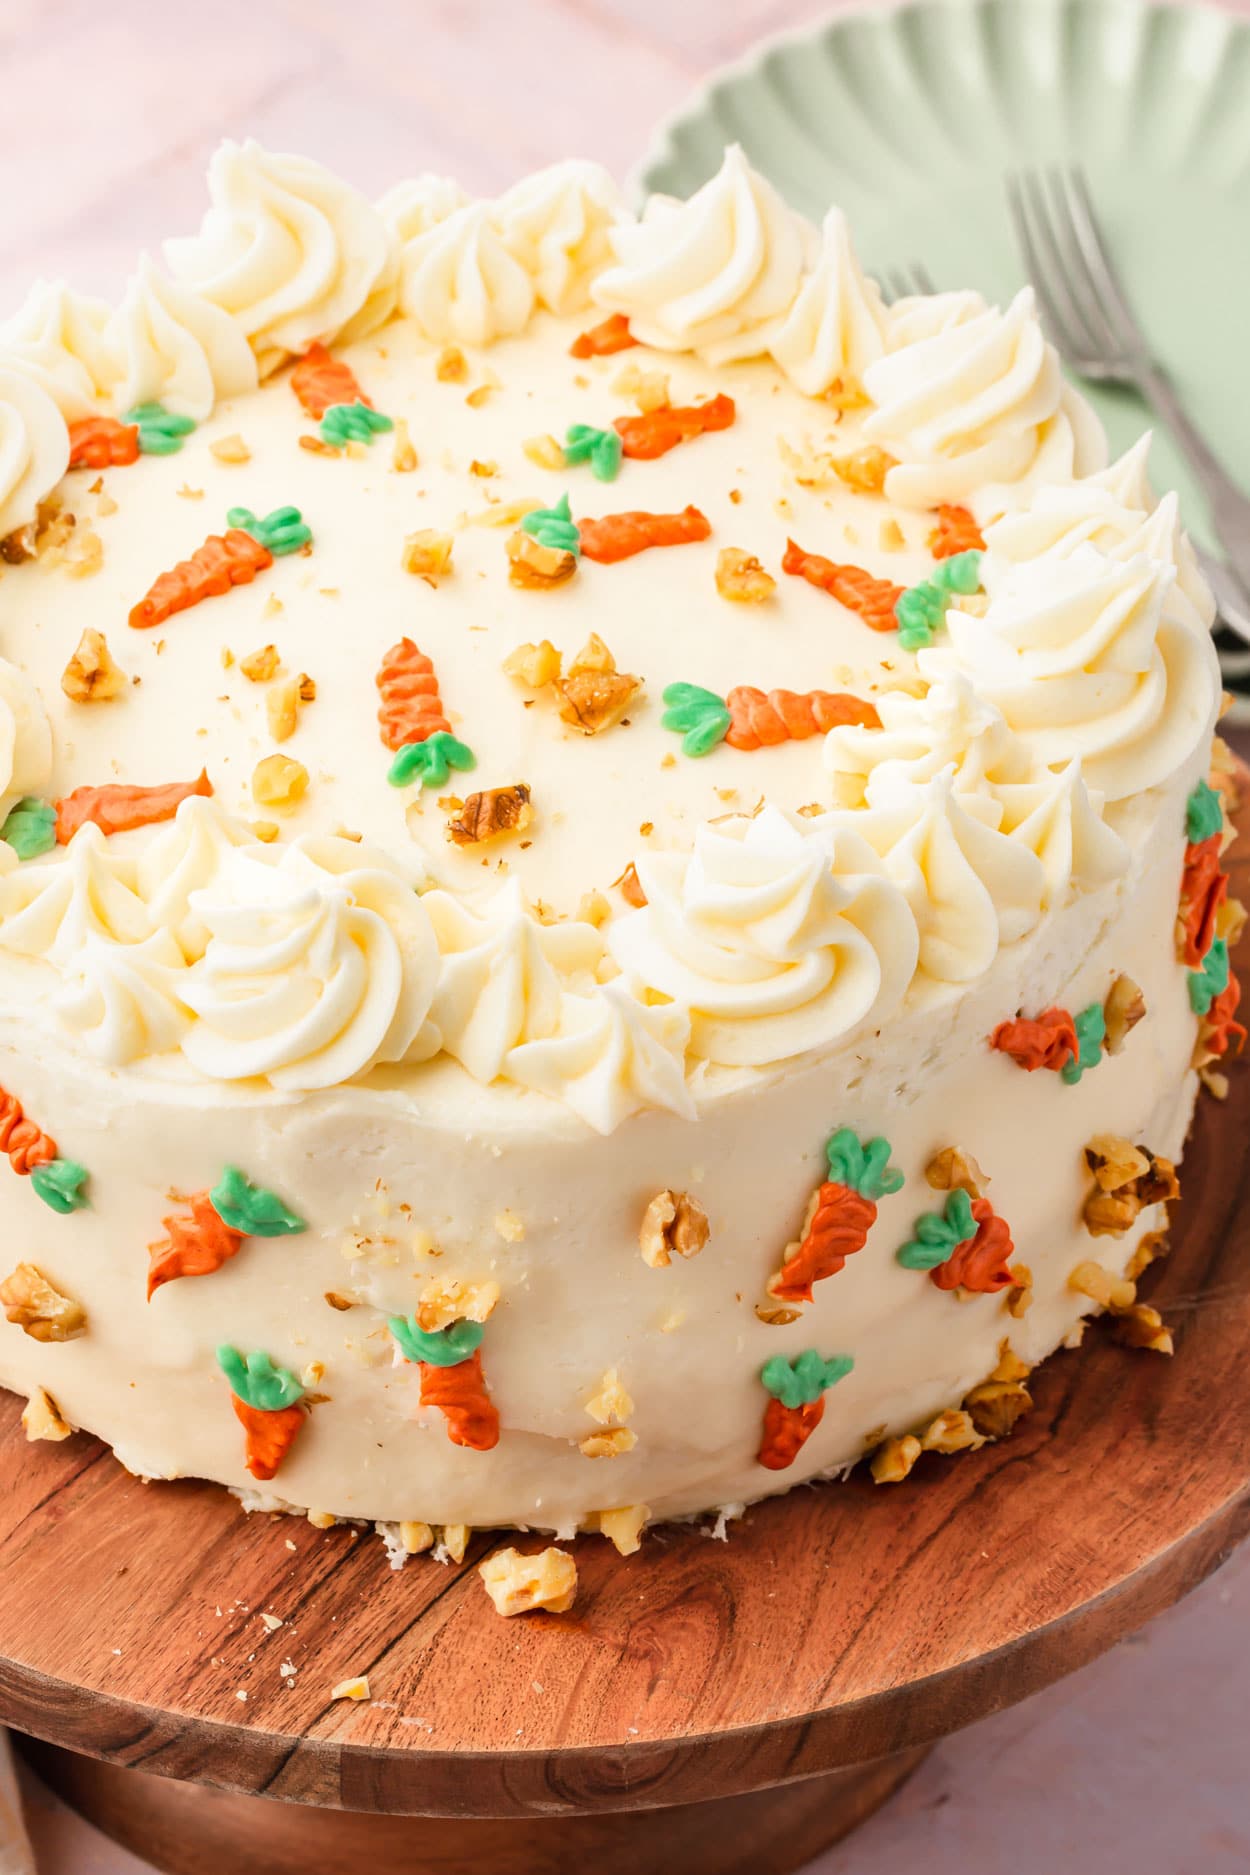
25,738
320,963
609,1057
123,1000
461,284
557,224
50,907
34,448
183,858
977,412
1106,511
1078,655
713,274
291,252
414,206
949,727
836,327
969,887
780,936
171,346
1056,818
59,336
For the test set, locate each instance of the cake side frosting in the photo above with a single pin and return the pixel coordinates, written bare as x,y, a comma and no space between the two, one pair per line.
598,712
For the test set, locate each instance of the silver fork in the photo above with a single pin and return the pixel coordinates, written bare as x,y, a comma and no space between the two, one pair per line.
905,282
1093,325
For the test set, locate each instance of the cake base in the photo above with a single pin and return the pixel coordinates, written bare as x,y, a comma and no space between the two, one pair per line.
719,1706
187,1829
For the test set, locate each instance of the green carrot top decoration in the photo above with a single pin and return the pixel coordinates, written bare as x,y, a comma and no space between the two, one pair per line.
62,1185
600,448
700,717
921,610
1210,979
352,423
1091,1032
554,527
251,1209
283,530
160,431
1204,814
801,1381
30,827
862,1166
258,1381
442,1347
939,1236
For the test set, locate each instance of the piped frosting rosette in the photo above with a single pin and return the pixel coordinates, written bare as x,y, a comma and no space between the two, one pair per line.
460,282
1080,657
25,738
779,935
714,274
34,447
558,225
836,327
971,401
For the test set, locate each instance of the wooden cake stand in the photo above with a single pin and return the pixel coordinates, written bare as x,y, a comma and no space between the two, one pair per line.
715,1708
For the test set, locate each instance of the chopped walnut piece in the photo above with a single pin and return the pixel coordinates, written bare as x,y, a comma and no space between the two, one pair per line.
1230,921
282,709
673,1223
357,1688
92,675
624,1527
951,1431
996,1405
451,366
592,908
846,394
609,1444
534,566
593,701
306,688
33,1305
260,666
544,451
230,449
1144,1327
864,470
611,1401
1154,1244
500,513
454,1538
340,1302
535,666
1128,1178
403,455
1123,1010
740,576
492,814
449,1299
953,1169
416,1537
277,781
427,553
42,1418
1108,1291
484,470
1019,1298
629,885
321,1519
509,1227
892,1461
593,657
890,537
649,390
517,1583
87,556
266,831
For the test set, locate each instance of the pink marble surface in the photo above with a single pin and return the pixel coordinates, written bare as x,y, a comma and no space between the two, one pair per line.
1137,1766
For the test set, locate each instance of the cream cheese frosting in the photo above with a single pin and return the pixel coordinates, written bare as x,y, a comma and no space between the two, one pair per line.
788,879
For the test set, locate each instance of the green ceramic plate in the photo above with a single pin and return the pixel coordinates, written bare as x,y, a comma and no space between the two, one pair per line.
910,117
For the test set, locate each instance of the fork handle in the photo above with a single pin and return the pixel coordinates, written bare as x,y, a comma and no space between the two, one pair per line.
1230,509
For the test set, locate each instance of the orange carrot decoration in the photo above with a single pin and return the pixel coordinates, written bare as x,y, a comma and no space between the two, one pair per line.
758,720
1204,888
620,536
267,1403
657,432
610,335
1046,1041
225,560
840,1214
1220,1029
102,443
979,1264
796,1403
451,1377
196,1245
25,1143
116,809
412,709
873,599
320,380
460,1393
956,532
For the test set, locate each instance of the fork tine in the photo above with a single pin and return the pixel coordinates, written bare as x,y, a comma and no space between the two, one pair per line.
1081,283
923,278
1043,263
1112,301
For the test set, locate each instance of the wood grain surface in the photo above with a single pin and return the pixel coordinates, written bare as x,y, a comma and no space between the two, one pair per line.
835,1626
